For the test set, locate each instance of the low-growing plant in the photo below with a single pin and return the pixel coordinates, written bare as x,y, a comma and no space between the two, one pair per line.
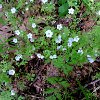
64,47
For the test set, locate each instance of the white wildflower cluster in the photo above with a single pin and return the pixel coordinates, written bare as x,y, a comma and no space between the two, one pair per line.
71,11
90,59
59,26
71,40
18,57
11,72
40,56
13,10
58,40
44,1
53,56
49,33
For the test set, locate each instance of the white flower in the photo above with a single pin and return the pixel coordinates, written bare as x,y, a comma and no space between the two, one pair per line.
98,13
76,39
17,32
14,40
18,57
53,56
44,1
26,3
33,48
0,6
70,40
13,10
64,49
31,40
12,92
58,40
92,0
80,51
11,72
49,33
90,59
71,11
40,56
26,8
58,47
29,36
69,44
59,26
33,25
31,0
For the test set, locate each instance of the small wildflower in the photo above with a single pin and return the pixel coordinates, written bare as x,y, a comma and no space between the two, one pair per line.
11,72
0,6
58,47
33,48
44,1
69,44
76,39
98,13
31,0
13,10
12,92
18,57
15,40
58,40
64,49
49,33
26,3
90,59
31,40
80,51
26,8
59,26
29,36
53,56
70,40
17,32
71,11
40,56
33,25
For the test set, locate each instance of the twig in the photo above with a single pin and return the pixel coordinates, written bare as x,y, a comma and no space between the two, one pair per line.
96,89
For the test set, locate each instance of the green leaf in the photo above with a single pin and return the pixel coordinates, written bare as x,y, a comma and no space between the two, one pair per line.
64,84
58,62
60,2
63,10
51,98
52,80
49,90
58,96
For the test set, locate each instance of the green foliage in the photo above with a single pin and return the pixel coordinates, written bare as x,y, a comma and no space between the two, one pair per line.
45,18
97,76
88,95
5,95
48,8
63,9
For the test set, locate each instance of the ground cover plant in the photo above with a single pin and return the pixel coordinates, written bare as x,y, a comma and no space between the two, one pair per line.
49,50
